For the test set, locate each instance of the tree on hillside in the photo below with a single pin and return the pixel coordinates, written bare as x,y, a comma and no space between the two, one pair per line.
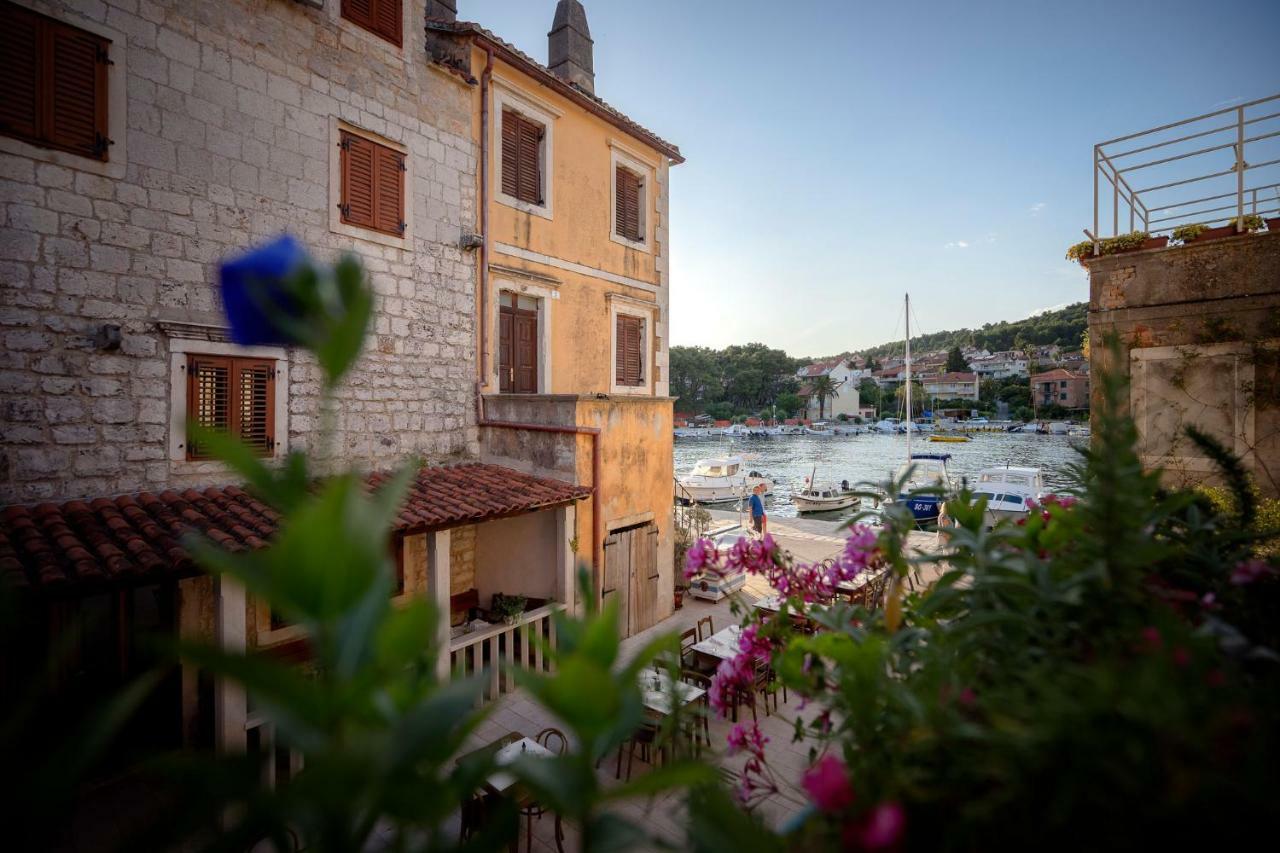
956,362
824,389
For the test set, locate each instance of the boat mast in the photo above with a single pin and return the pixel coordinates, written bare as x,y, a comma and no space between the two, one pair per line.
909,421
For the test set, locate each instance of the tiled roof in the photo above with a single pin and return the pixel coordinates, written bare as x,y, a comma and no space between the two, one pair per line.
1057,373
85,544
950,377
616,116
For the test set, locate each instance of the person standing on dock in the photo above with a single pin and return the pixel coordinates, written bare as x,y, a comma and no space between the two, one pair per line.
759,521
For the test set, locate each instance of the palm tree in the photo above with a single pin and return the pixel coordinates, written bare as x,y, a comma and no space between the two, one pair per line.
824,389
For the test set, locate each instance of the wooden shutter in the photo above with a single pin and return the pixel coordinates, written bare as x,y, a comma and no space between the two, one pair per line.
19,71
627,190
372,185
521,158
628,350
380,17
236,395
208,396
53,83
510,153
506,350
255,404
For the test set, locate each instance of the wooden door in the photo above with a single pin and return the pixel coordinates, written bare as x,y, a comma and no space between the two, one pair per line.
631,575
517,351
526,356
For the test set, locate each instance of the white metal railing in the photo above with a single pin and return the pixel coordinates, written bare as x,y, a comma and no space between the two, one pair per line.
1213,168
501,648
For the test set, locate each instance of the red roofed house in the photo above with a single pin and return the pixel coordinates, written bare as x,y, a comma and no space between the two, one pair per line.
951,386
1061,387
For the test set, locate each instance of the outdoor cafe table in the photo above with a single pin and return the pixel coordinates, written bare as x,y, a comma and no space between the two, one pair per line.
723,645
501,781
658,691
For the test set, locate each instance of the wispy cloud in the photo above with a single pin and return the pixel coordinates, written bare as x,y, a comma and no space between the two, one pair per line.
1040,311
1035,209
957,244
990,238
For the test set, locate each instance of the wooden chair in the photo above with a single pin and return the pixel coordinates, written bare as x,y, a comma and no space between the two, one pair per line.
646,740
688,639
705,628
701,728
553,740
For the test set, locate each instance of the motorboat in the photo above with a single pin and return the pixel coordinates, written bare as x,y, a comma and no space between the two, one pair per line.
791,429
1080,432
928,470
1059,428
954,439
813,499
818,428
886,425
846,429
1010,491
721,480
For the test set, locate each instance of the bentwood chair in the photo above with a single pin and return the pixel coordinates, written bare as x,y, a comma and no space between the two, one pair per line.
688,639
701,723
705,628
555,742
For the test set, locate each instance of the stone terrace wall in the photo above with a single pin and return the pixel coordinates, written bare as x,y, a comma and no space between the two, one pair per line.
225,117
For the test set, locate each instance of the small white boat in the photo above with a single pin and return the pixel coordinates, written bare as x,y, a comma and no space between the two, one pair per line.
722,480
813,499
818,428
1010,491
1059,428
847,430
1080,432
791,429
886,425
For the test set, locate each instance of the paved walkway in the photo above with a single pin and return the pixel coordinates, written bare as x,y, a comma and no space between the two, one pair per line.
807,539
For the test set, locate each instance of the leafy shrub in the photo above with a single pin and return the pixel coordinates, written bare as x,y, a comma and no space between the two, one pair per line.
1187,233
1109,246
1252,222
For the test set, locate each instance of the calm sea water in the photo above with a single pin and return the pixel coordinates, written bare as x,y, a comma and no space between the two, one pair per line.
856,458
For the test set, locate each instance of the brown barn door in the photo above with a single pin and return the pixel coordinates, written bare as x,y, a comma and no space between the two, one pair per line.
616,583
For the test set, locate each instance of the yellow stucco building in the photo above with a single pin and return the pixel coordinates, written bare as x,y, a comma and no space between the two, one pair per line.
573,286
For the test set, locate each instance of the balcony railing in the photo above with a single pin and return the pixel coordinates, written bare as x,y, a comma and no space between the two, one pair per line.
497,650
1210,169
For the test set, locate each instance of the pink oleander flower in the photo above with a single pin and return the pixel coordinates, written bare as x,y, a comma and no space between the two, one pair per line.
733,675
827,783
1250,571
701,555
748,738
1181,657
1152,641
884,826
751,643
967,697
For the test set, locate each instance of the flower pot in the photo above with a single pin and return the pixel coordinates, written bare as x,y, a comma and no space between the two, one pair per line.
1215,233
1155,242
508,620
679,598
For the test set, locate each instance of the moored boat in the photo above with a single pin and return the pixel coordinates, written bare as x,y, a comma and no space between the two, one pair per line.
1010,491
721,480
928,470
954,439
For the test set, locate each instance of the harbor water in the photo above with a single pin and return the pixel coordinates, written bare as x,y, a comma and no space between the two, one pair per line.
787,460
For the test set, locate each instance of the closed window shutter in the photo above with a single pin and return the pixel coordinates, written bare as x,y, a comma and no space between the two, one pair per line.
53,83
372,185
208,396
510,153
630,334
381,17
19,71
235,395
389,190
529,188
627,184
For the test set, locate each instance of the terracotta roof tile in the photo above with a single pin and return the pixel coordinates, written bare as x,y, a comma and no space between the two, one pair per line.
64,548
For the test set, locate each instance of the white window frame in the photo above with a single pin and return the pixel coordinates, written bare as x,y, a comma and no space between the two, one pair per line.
541,112
620,157
117,106
179,351
336,128
546,296
647,312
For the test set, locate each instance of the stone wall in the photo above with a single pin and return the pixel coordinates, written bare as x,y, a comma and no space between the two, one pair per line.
1198,329
462,559
225,119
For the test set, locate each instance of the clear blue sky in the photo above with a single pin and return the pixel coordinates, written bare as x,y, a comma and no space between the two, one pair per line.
841,151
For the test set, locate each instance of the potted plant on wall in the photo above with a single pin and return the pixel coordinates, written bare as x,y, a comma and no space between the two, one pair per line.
509,607
1187,234
1131,242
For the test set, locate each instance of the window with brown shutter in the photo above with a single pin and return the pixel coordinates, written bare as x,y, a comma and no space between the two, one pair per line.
236,395
629,350
521,158
53,83
380,17
372,185
627,190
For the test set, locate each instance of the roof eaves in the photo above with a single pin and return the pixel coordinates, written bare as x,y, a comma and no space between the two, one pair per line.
536,69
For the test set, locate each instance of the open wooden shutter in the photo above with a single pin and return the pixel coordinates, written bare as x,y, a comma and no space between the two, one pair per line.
357,180
380,17
630,334
627,190
389,190
19,71
359,12
255,404
53,83
208,396
510,153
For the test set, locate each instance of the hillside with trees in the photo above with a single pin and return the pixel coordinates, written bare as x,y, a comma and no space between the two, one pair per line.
733,380
1064,327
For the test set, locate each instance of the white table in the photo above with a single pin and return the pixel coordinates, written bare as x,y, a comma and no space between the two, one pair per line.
657,692
502,781
723,644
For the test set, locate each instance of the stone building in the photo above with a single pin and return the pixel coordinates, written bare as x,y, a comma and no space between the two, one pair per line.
152,140
1061,387
950,386
1197,328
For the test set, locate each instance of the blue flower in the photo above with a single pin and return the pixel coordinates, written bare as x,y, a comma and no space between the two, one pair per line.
256,293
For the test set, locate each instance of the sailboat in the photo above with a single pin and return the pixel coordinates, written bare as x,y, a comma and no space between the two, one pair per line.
927,469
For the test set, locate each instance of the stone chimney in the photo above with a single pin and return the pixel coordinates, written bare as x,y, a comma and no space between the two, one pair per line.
569,46
442,10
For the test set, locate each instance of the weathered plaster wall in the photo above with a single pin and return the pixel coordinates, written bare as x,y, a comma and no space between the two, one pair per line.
516,556
1198,330
230,112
